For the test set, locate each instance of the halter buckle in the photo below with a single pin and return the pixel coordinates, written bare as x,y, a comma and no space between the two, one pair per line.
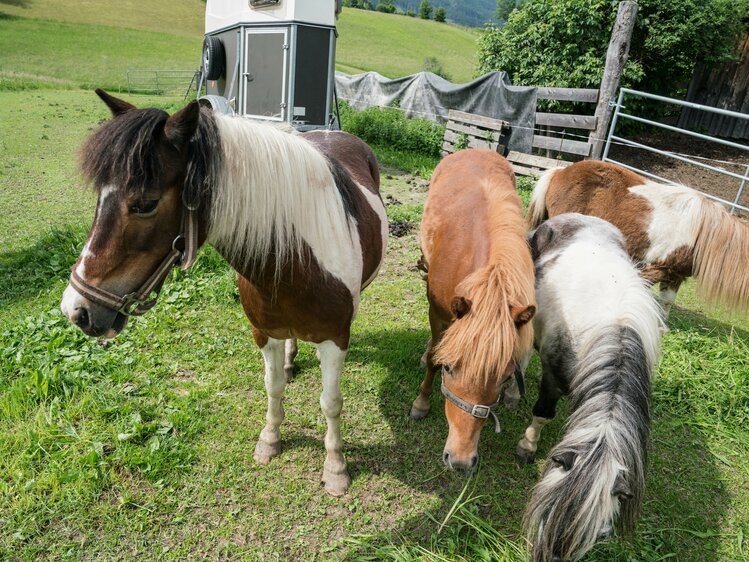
480,411
129,303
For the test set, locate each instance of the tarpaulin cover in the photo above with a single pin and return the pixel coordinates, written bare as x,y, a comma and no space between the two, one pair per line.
429,96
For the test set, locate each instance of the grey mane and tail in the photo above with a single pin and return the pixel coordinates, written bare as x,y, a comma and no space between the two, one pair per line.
603,453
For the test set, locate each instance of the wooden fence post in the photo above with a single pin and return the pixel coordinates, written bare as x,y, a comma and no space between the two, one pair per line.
616,58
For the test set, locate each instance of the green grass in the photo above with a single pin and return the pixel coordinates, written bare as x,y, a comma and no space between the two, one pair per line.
71,44
142,449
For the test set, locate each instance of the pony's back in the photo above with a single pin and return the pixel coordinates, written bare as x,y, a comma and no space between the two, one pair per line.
598,319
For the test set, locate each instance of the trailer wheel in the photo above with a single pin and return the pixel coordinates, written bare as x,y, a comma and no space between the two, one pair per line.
214,59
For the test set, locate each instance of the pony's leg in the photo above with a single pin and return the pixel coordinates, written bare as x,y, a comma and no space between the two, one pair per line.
543,411
420,406
335,476
290,351
423,361
512,392
668,289
269,444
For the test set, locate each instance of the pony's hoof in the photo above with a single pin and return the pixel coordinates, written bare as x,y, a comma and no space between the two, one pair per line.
512,402
418,414
525,457
289,372
336,483
264,452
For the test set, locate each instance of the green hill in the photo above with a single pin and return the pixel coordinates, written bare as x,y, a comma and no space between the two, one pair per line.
94,42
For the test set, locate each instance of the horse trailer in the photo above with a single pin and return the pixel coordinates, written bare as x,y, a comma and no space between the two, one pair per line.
271,59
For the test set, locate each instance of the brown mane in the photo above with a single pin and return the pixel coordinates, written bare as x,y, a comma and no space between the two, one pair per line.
484,341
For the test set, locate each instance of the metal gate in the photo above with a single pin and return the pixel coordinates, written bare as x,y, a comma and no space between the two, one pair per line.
620,114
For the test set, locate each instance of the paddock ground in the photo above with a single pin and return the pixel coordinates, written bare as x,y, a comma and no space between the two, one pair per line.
142,449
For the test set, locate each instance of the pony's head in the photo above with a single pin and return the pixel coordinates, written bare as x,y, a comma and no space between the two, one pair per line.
581,499
490,332
141,164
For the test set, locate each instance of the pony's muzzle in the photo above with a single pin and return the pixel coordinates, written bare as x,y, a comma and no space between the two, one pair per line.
452,461
93,319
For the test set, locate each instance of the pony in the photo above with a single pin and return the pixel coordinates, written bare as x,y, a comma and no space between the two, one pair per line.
299,217
675,231
479,275
598,334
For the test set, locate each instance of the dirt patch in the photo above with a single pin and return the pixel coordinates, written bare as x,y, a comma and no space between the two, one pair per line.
723,157
400,228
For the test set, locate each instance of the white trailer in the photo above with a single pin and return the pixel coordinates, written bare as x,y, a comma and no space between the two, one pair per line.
271,59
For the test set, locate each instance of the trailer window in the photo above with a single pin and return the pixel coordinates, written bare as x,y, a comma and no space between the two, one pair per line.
263,3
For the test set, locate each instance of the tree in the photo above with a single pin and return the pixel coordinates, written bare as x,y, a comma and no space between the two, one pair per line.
563,42
425,9
504,8
440,14
386,6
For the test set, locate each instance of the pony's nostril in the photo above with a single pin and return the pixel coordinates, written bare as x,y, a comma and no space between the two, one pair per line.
81,318
474,462
446,458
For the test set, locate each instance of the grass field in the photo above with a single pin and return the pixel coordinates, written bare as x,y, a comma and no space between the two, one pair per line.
142,449
67,43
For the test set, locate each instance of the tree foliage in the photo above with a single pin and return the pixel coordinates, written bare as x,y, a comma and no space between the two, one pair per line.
440,14
425,9
563,42
386,6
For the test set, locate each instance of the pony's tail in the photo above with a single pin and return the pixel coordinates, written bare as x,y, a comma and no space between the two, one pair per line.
594,479
721,253
537,207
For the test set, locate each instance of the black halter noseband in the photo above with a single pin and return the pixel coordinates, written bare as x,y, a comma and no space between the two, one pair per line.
183,253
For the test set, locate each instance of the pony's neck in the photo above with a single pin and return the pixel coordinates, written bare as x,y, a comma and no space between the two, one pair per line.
271,195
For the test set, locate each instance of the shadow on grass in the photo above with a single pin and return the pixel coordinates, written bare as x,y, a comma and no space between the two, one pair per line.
24,273
685,500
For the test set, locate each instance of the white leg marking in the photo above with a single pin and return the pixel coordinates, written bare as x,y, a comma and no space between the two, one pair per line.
335,475
269,444
529,442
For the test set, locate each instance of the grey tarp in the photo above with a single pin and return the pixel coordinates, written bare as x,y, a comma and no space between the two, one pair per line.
429,96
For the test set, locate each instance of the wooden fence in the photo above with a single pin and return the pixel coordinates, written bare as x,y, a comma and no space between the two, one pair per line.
723,86
559,138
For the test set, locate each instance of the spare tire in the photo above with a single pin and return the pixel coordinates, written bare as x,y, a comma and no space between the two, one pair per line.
214,59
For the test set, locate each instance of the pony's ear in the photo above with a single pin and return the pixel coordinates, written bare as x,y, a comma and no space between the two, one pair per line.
538,239
621,488
521,315
115,105
181,126
564,459
460,306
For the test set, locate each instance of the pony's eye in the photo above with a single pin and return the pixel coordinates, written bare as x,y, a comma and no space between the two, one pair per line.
145,207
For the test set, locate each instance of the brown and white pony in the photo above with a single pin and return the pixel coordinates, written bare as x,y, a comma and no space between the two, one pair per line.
480,290
675,231
298,216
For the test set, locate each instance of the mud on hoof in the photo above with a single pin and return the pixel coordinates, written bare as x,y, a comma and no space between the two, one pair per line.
336,483
524,456
264,452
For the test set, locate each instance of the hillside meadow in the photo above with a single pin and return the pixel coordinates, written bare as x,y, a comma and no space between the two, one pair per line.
66,43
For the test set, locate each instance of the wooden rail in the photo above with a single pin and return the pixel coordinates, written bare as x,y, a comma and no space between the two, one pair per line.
466,130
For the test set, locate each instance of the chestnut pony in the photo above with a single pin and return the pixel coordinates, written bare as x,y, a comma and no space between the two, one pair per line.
480,290
674,230
298,216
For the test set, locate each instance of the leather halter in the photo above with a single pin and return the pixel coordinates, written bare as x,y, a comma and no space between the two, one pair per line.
476,410
140,301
